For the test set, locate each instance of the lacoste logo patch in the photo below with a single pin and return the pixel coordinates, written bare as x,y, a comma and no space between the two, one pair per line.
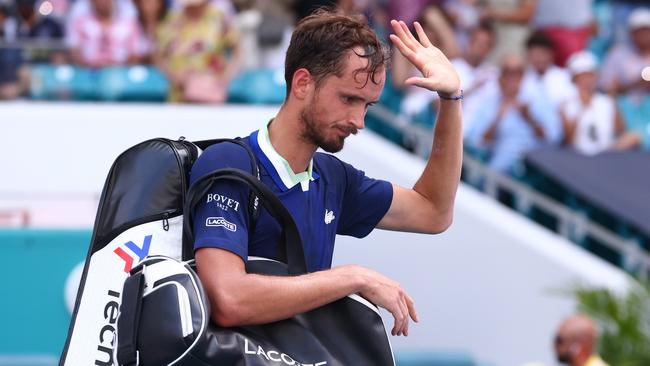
220,221
329,217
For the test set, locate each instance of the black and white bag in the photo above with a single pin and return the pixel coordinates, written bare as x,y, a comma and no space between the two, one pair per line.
140,230
164,318
140,213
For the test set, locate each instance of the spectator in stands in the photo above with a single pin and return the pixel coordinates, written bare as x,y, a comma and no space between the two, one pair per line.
464,15
591,121
84,8
103,37
620,11
274,33
409,10
568,24
477,74
621,74
12,70
542,75
513,121
575,342
36,24
247,22
151,14
512,24
198,50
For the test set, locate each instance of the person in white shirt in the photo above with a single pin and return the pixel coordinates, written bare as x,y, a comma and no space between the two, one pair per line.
542,75
591,121
477,74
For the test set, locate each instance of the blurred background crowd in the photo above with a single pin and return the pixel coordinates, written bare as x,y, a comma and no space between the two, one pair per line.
534,72
556,118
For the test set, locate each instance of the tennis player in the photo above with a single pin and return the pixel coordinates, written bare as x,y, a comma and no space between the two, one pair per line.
335,69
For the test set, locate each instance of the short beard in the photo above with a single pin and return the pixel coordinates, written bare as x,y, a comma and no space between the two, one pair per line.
312,135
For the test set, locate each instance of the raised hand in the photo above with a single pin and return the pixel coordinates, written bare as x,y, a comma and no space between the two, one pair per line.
438,74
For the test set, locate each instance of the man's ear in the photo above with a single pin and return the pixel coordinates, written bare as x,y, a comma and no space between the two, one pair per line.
302,84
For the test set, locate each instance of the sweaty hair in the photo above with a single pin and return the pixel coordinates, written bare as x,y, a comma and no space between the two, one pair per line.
321,41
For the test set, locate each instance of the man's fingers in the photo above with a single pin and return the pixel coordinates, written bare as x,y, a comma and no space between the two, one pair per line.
397,314
407,52
420,81
403,35
424,40
412,40
411,307
405,311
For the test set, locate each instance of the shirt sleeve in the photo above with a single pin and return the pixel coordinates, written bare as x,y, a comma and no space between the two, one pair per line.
221,217
365,202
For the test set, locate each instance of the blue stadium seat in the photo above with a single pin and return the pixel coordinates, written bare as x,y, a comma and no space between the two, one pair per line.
63,82
433,358
262,86
132,83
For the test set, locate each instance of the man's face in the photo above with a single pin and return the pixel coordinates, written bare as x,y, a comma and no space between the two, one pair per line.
103,8
567,346
150,9
541,58
641,38
586,81
510,78
338,105
480,44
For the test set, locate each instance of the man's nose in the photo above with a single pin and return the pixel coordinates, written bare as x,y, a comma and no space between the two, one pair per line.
357,119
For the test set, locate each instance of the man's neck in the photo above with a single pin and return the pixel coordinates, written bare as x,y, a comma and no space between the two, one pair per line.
541,72
284,133
473,61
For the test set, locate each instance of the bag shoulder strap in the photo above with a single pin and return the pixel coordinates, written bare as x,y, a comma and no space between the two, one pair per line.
292,250
253,207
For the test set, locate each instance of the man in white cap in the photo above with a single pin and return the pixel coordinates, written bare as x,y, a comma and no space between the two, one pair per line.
621,72
590,119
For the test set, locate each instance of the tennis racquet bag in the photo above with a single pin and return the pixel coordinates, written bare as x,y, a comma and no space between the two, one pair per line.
165,314
140,213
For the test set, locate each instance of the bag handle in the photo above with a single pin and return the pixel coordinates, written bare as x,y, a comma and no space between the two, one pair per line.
129,321
292,249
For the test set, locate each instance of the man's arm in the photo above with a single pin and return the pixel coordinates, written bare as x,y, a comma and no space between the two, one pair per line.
428,206
239,298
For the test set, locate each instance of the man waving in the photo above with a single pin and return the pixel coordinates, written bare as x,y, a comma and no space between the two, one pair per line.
335,69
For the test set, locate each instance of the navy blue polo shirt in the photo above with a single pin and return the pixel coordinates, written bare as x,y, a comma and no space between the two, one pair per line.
331,197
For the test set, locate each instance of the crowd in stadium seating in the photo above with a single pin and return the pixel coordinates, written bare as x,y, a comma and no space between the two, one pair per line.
512,56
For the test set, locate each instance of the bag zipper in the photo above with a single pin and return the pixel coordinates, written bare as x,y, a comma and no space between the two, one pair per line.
164,216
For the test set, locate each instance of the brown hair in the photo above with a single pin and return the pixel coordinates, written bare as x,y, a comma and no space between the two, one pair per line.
321,40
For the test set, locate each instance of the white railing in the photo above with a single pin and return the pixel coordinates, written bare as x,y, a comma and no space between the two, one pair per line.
572,225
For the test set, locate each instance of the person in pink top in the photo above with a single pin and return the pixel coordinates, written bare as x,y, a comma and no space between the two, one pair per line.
102,37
